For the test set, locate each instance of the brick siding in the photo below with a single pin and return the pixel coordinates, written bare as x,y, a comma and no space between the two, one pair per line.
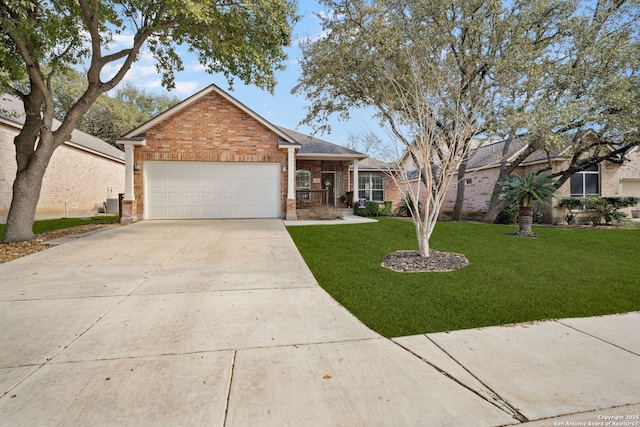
478,191
82,179
211,129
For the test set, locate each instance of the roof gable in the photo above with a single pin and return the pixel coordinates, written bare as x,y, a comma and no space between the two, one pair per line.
193,99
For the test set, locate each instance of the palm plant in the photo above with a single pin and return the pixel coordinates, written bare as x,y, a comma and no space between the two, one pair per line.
524,191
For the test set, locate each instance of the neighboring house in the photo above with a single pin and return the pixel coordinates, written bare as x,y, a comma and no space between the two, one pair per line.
82,174
210,156
605,179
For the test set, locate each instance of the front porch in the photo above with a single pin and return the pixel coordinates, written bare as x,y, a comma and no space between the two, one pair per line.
306,199
318,174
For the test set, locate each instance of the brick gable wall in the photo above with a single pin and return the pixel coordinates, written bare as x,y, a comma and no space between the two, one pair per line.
212,129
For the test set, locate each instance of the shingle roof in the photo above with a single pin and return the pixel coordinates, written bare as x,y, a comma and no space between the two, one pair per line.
375,165
315,146
491,155
12,110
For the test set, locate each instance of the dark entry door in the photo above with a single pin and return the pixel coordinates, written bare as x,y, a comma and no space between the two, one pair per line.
328,183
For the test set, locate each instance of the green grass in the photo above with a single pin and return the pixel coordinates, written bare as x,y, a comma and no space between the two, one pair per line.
58,224
563,273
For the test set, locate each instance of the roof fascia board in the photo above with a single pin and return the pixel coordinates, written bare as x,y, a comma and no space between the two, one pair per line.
316,156
11,123
19,126
97,153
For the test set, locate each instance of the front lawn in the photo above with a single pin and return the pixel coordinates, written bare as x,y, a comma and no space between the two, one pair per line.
563,273
60,223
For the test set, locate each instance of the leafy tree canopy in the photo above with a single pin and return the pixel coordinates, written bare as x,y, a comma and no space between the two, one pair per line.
109,117
543,68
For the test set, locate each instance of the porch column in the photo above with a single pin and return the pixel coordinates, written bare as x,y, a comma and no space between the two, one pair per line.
128,172
128,206
291,184
355,182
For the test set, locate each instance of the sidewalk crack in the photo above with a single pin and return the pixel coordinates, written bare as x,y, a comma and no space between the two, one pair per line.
226,405
598,338
495,399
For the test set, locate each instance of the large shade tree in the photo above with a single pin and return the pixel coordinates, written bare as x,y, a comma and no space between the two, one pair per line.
579,96
112,114
42,38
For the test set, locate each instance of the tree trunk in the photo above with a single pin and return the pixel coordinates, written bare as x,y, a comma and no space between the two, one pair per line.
525,220
423,239
495,206
457,207
524,226
26,191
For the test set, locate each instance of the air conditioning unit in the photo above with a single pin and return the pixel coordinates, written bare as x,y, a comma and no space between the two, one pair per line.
112,206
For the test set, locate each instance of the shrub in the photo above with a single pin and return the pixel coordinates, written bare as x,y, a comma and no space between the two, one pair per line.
598,208
538,216
508,215
370,209
405,207
387,210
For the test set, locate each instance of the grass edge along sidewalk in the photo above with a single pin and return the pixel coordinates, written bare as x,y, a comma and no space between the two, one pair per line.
563,273
45,225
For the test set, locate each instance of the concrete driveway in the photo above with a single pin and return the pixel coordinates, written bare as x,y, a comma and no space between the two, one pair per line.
221,323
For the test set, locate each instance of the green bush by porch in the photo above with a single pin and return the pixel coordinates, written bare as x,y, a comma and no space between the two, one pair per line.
563,273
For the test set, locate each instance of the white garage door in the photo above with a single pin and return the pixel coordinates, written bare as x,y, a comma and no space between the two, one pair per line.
191,190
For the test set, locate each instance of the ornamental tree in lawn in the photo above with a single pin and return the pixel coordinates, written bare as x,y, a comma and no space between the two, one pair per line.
523,191
42,38
422,67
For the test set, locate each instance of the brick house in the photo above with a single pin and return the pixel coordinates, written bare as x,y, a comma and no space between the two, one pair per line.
82,174
605,179
210,156
375,182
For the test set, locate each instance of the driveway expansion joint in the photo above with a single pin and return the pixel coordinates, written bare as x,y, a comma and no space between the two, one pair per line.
495,398
598,338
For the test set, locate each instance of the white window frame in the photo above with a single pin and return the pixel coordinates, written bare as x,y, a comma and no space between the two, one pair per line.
299,173
369,190
582,176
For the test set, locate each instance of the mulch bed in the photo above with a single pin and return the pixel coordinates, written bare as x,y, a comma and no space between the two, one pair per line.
11,251
412,262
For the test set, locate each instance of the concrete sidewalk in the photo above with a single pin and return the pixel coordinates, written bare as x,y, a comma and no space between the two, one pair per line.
221,323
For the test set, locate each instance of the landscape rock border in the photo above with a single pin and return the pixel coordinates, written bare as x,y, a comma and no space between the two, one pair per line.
412,262
11,251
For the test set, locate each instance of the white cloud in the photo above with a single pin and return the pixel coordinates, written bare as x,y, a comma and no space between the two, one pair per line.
195,67
187,87
119,41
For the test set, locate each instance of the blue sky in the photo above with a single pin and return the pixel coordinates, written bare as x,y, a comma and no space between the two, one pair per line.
282,108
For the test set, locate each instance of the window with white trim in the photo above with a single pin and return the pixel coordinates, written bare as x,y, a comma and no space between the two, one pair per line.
303,179
586,182
371,187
